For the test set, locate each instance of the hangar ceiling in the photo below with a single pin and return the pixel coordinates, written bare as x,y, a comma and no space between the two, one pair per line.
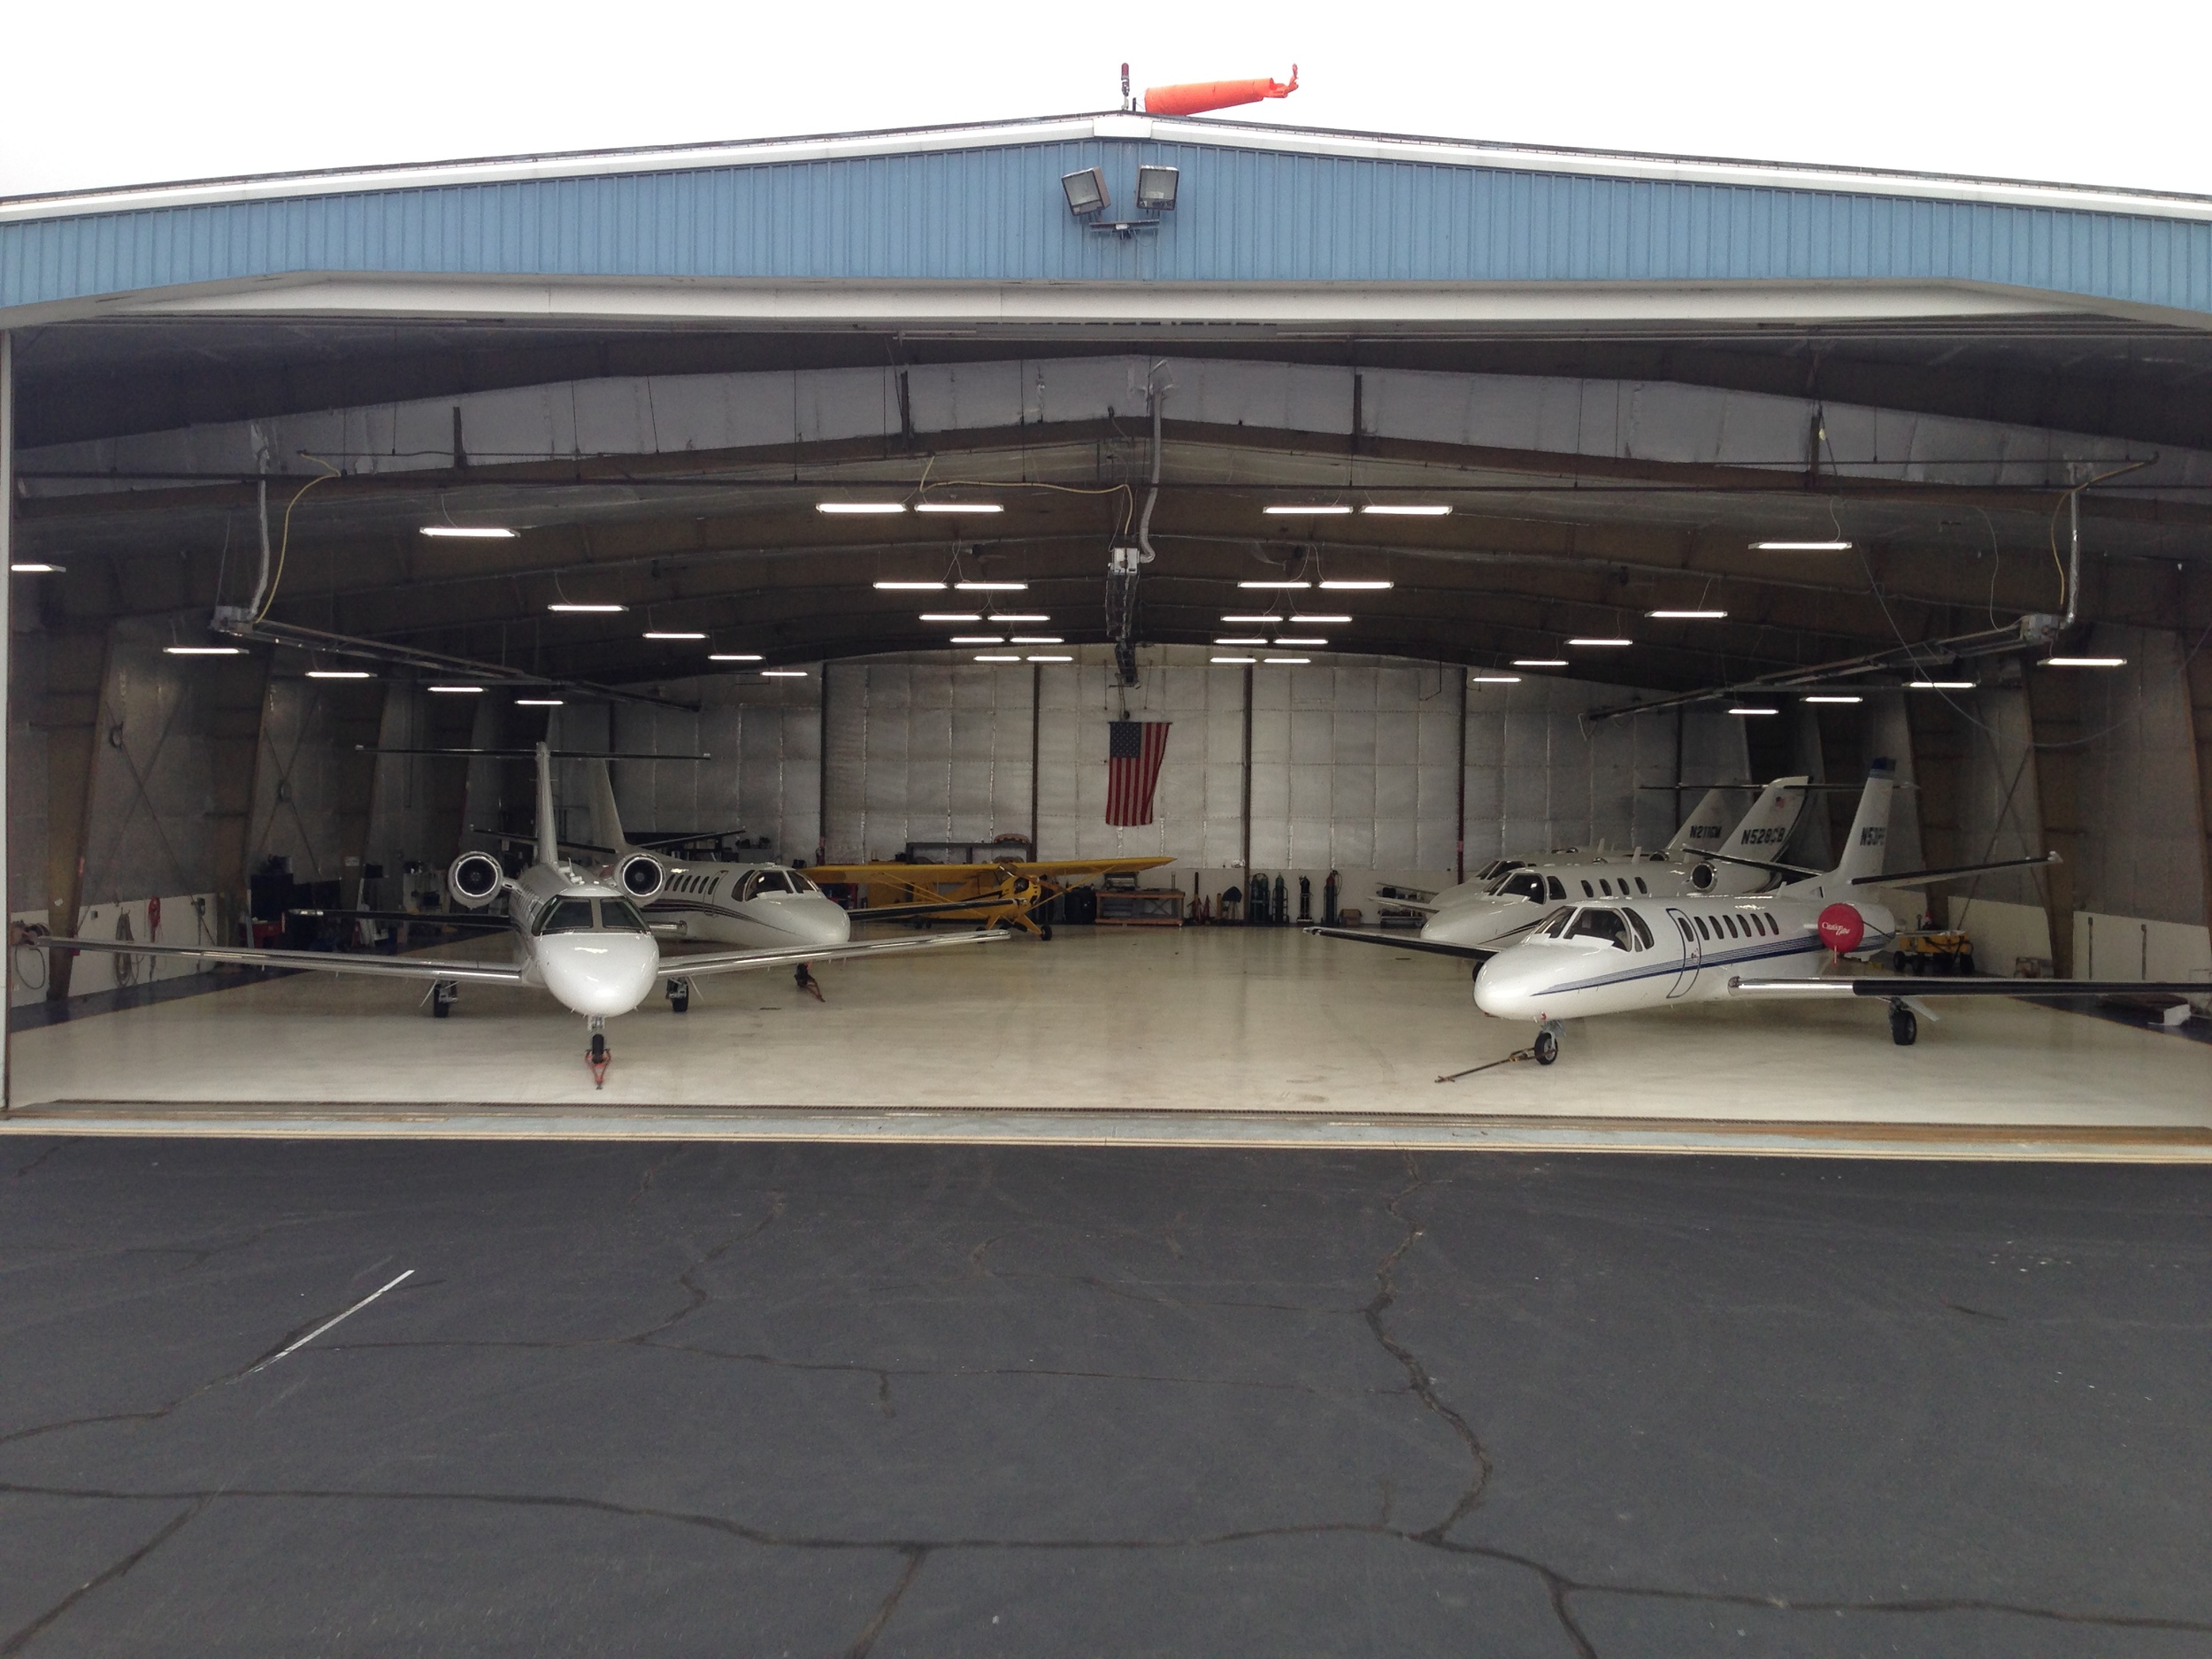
139,473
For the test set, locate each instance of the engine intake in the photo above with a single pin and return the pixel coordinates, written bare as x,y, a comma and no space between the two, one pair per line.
641,875
1702,878
475,880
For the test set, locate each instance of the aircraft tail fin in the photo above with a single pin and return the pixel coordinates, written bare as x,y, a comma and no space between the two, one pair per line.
548,827
1704,829
606,820
1864,853
1767,828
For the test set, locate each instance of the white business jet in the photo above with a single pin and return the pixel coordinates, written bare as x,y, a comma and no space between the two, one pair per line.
1475,923
1590,959
574,936
764,906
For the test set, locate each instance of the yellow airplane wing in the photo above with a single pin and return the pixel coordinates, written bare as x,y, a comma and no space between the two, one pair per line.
997,894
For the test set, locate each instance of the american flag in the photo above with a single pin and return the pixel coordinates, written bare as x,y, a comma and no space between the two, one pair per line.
1134,750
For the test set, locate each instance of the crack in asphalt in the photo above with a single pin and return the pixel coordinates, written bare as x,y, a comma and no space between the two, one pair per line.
70,1141
1561,1585
865,1641
23,1638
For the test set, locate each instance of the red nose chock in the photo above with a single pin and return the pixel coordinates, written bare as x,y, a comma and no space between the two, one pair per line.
1841,928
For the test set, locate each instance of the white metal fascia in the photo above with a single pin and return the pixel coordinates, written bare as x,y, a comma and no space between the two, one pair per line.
1221,135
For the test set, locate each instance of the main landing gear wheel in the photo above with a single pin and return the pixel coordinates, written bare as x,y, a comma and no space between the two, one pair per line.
1044,930
808,983
443,994
1546,1046
679,996
1904,1030
598,1057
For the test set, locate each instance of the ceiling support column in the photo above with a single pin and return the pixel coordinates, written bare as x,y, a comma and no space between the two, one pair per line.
2196,606
2054,727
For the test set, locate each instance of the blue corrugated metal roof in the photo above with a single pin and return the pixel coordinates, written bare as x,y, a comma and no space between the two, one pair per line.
994,213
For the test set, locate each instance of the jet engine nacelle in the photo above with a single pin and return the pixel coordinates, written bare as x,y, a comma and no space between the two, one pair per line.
475,880
1702,878
641,875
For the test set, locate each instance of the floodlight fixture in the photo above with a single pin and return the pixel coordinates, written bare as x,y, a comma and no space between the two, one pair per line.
470,532
1156,188
1086,191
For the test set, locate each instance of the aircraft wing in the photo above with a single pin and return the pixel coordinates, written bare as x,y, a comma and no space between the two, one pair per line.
1399,941
310,961
786,956
481,921
1913,987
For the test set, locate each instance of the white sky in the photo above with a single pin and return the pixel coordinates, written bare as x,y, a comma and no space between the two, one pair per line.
134,92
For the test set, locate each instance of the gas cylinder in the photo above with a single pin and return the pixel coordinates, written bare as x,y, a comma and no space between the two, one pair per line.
1329,889
1281,909
1256,907
1305,899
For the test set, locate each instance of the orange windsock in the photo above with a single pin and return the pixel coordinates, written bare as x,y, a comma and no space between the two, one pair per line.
1197,96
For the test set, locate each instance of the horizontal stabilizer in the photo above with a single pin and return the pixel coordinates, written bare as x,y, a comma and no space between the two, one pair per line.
1910,878
1399,941
1760,863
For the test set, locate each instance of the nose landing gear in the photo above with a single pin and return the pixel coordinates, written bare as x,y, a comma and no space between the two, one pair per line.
597,1056
1546,1048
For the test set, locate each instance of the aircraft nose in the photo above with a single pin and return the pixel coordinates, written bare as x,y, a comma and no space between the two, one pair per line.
812,919
1506,988
599,973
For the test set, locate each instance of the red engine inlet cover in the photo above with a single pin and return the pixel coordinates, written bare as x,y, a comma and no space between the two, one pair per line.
1841,928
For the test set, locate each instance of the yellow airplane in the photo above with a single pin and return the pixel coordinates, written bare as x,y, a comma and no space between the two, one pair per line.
1007,892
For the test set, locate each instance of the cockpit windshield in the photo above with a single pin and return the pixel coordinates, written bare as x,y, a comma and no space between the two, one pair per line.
590,916
1606,924
1525,884
775,880
620,916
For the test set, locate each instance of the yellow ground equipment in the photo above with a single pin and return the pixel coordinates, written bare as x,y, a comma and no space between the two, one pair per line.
1005,893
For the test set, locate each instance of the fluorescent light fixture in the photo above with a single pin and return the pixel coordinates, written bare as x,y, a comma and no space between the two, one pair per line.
337,673
1687,616
783,674
1086,192
952,616
1800,547
661,634
1747,709
470,532
1275,584
1264,620
1825,698
1306,509
1287,661
883,508
733,657
1604,642
998,659
1036,639
1496,680
1284,639
588,610
456,691
1940,685
1540,662
1019,616
2084,662
1233,659
989,588
1360,587
201,650
538,702
1239,639
1156,188
983,639
1408,508
958,506
1052,659
1302,621
35,570
911,587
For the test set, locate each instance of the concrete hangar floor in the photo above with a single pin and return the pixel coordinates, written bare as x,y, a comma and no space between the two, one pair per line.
1236,1035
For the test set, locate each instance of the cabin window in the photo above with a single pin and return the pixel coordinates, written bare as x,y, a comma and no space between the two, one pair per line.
1683,924
1605,887
1766,922
1587,892
1643,934
1702,934
1557,890
1606,924
1641,888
